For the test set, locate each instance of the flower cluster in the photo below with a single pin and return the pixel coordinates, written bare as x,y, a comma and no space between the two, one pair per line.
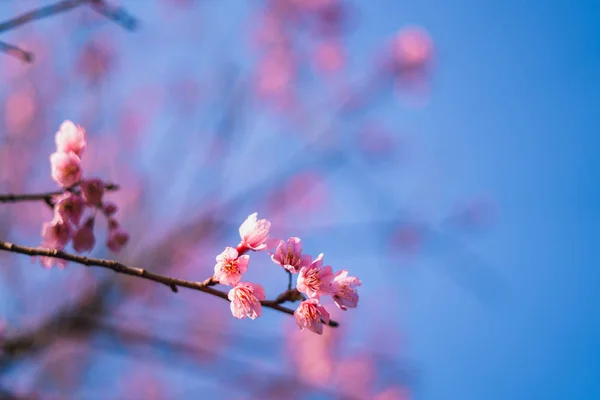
69,222
314,280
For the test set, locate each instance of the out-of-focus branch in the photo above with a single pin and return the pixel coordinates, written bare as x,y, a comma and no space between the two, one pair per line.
173,283
117,14
47,197
17,52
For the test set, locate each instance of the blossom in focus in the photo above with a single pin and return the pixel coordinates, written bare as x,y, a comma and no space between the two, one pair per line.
66,168
83,239
344,290
311,315
314,280
245,300
289,255
255,233
69,206
92,191
70,138
230,266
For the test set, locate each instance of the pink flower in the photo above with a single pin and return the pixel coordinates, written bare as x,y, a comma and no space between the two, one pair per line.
49,262
117,238
109,209
245,300
344,290
56,233
92,191
411,48
230,267
315,280
255,233
83,239
66,168
289,255
69,206
70,138
310,314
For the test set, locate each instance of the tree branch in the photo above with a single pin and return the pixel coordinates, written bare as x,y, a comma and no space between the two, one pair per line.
17,52
47,197
172,283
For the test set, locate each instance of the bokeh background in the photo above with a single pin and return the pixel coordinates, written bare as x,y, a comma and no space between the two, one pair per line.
464,195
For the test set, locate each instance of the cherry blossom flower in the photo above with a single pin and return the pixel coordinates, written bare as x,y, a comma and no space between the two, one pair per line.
245,300
310,314
56,233
70,138
254,233
344,290
230,266
117,237
92,191
66,168
69,206
289,255
83,239
314,280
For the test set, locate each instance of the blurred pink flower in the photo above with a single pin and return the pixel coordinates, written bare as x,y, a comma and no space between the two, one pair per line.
83,239
109,208
245,300
117,238
309,315
230,267
329,56
412,49
66,168
314,280
92,191
254,233
344,290
393,393
70,138
56,233
69,206
289,255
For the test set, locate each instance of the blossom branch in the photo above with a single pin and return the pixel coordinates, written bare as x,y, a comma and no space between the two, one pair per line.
47,197
173,283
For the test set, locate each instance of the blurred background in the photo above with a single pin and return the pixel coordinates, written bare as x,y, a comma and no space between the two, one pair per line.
443,152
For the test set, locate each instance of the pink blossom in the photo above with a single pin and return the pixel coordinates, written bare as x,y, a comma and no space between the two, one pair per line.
49,262
66,168
70,138
117,238
344,290
393,393
314,280
109,209
92,191
411,48
255,233
230,267
289,255
56,233
69,206
310,314
83,239
245,300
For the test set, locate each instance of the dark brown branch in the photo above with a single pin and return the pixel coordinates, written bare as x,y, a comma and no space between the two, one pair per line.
48,197
17,52
172,283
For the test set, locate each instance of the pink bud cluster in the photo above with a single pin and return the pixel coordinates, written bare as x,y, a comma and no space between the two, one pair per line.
314,280
69,223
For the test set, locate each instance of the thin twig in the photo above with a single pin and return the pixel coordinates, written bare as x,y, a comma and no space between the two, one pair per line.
17,52
40,13
117,14
173,283
48,196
